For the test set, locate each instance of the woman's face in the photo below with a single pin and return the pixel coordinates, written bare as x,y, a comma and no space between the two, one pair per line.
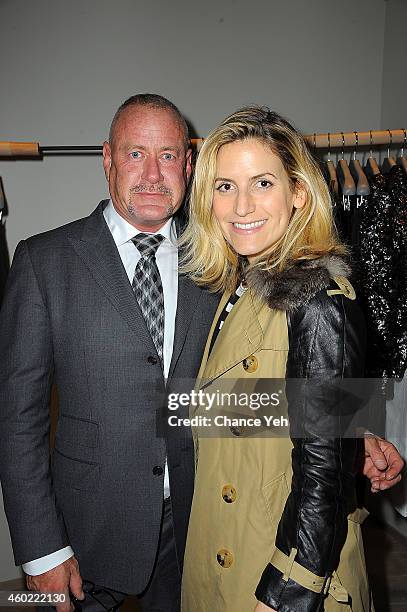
252,199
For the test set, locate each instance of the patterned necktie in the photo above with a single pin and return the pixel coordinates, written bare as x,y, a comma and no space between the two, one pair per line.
148,288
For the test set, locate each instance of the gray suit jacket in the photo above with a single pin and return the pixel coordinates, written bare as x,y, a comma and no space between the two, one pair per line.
70,317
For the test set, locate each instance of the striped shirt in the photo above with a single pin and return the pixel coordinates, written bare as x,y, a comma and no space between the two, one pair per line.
226,310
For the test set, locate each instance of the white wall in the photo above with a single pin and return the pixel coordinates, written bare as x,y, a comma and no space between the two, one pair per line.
66,66
394,97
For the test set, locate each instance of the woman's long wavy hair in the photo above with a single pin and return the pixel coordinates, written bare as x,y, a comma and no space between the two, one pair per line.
207,256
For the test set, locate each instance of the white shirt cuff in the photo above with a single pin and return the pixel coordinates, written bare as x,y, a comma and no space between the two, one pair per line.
44,564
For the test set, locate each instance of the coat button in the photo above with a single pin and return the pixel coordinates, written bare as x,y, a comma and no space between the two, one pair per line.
224,558
250,364
157,470
236,431
229,494
151,359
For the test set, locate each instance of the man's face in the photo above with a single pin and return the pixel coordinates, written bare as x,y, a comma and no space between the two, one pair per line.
146,166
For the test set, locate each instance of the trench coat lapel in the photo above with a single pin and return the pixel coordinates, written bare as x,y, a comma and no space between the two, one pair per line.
97,249
241,336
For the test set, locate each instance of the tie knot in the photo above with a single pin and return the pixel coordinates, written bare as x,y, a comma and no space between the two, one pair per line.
147,244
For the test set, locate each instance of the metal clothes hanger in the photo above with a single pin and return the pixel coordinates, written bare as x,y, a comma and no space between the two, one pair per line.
402,160
346,181
362,184
388,161
371,167
330,166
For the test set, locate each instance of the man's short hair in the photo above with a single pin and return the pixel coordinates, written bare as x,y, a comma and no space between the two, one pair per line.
153,101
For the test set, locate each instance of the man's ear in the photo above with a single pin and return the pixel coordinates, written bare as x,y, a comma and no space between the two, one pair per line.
188,164
300,195
107,159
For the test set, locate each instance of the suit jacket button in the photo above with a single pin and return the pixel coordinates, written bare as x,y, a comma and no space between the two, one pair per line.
157,470
151,359
229,494
250,364
224,558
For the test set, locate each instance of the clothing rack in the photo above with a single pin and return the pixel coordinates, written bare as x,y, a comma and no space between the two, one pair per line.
358,139
335,140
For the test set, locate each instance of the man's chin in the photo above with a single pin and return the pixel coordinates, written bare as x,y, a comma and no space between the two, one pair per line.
150,218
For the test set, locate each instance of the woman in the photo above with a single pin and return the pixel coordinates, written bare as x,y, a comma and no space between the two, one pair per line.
274,524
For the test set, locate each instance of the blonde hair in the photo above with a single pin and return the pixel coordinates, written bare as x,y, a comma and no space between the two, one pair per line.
311,233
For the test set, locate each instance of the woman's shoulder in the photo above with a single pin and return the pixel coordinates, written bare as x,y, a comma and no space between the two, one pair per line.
303,283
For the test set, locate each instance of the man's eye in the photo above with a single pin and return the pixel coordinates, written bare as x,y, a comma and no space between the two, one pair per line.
168,156
224,187
135,154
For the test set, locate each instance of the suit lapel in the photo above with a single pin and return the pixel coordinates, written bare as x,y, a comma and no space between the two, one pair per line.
189,296
98,251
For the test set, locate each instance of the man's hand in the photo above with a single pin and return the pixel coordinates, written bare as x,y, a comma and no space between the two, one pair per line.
61,579
383,463
261,607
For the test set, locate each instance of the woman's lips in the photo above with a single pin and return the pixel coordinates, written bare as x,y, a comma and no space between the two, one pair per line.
248,228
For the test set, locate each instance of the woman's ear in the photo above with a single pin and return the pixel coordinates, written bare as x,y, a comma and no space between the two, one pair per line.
300,195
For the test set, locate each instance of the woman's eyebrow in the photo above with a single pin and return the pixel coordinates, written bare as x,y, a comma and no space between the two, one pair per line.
264,174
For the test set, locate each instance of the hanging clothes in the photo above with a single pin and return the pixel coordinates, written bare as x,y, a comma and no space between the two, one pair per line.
397,189
341,211
375,256
375,229
396,413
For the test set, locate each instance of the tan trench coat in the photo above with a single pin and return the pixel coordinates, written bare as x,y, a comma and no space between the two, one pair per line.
242,484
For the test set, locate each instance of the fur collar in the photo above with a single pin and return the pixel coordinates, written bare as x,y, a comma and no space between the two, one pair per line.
297,284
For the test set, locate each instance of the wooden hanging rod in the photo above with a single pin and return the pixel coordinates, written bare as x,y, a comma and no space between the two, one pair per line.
334,140
364,139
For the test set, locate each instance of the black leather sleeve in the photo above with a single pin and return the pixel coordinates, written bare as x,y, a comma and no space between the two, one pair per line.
326,342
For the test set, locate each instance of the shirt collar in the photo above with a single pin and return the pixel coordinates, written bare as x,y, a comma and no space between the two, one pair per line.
122,231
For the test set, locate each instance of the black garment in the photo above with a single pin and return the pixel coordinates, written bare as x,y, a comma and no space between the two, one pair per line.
4,260
376,261
380,253
343,216
163,593
326,342
397,189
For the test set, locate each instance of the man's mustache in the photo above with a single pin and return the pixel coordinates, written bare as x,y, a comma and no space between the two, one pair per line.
151,189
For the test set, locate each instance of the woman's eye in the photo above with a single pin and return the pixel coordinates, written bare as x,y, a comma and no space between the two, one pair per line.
264,183
135,154
224,187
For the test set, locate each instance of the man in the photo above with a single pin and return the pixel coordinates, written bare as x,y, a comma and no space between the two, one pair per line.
75,313
72,315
